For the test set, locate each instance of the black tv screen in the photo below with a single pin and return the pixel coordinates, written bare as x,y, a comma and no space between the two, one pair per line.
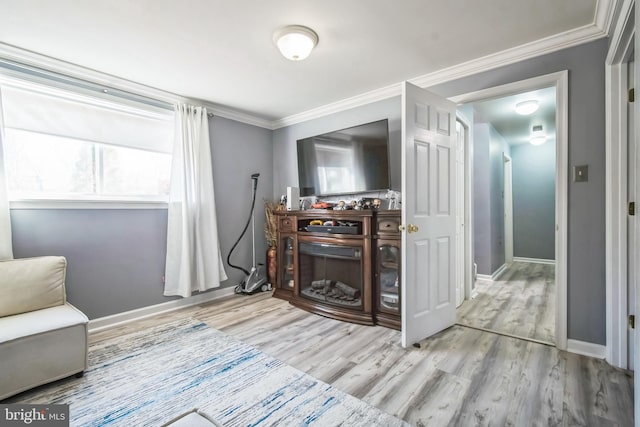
352,160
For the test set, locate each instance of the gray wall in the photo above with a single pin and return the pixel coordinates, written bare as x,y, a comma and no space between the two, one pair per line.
488,209
586,291
497,148
285,160
482,198
238,151
116,257
586,234
534,204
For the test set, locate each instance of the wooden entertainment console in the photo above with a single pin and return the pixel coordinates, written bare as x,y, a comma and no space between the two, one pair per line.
341,264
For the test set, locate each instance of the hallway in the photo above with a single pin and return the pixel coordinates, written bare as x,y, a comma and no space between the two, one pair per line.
521,303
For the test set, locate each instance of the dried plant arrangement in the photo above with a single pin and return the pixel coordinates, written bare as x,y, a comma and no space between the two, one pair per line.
271,223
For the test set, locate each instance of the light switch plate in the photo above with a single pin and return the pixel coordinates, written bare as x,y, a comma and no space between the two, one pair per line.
580,173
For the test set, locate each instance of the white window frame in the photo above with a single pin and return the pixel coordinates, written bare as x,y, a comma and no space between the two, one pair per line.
96,201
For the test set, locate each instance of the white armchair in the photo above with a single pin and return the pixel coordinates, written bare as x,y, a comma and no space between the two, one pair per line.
43,338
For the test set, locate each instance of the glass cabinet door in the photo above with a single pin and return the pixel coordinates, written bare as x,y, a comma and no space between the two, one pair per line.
388,271
287,275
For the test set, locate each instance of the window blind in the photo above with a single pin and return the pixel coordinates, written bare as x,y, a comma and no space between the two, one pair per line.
35,108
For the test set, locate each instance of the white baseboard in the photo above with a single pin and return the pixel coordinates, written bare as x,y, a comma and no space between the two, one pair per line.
586,349
494,276
118,319
499,271
534,260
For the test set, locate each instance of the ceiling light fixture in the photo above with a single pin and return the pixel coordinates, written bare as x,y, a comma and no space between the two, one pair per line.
538,136
527,107
295,41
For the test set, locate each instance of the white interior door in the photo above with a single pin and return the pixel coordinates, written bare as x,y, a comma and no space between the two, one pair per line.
460,259
508,210
428,214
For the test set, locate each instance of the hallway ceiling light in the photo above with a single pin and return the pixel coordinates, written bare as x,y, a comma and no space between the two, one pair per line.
527,107
538,136
295,41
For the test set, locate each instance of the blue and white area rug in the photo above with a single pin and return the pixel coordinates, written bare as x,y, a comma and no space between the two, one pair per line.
149,377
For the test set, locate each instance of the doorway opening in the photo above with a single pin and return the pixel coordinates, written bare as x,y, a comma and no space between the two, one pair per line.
517,210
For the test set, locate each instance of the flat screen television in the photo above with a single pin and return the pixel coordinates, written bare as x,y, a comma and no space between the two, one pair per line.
347,161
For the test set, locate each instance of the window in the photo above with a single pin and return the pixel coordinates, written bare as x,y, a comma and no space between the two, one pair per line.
68,146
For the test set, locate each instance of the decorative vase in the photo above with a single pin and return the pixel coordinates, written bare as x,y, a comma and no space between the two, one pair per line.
272,266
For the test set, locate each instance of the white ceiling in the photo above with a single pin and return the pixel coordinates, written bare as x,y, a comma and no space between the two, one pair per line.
221,51
515,128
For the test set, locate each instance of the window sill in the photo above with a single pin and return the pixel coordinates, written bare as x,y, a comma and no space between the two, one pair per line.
86,204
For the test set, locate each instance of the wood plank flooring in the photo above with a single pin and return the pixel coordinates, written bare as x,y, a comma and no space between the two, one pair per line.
460,377
521,303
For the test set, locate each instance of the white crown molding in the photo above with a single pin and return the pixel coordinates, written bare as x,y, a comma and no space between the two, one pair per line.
49,64
604,16
510,56
603,19
338,106
238,116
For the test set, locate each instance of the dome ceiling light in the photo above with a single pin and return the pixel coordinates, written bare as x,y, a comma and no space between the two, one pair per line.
295,41
538,136
525,108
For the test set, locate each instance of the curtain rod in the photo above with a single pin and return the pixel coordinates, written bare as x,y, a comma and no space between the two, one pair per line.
40,73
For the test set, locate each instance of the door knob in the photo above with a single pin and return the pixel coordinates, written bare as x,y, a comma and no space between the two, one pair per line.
412,228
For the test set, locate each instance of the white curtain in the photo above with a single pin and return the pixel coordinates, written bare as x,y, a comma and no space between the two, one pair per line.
6,247
193,251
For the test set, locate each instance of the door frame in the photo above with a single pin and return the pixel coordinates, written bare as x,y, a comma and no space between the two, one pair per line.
468,205
507,164
621,46
560,80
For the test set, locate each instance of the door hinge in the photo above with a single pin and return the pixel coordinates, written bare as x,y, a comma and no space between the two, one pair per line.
632,95
632,208
632,321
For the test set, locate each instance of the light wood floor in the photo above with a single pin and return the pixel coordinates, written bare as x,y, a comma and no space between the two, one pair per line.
460,377
522,303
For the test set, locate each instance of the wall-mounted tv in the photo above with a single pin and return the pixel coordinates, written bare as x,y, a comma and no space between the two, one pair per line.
347,161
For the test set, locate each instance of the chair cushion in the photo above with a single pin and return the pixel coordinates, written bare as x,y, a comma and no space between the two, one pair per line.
30,284
40,321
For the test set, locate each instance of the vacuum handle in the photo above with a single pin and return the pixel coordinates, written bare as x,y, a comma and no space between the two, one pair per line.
254,177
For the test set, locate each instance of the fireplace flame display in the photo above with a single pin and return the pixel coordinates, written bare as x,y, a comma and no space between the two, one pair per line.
335,289
331,273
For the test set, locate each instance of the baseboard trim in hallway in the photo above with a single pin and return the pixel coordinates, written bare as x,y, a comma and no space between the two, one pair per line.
495,274
587,349
534,260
